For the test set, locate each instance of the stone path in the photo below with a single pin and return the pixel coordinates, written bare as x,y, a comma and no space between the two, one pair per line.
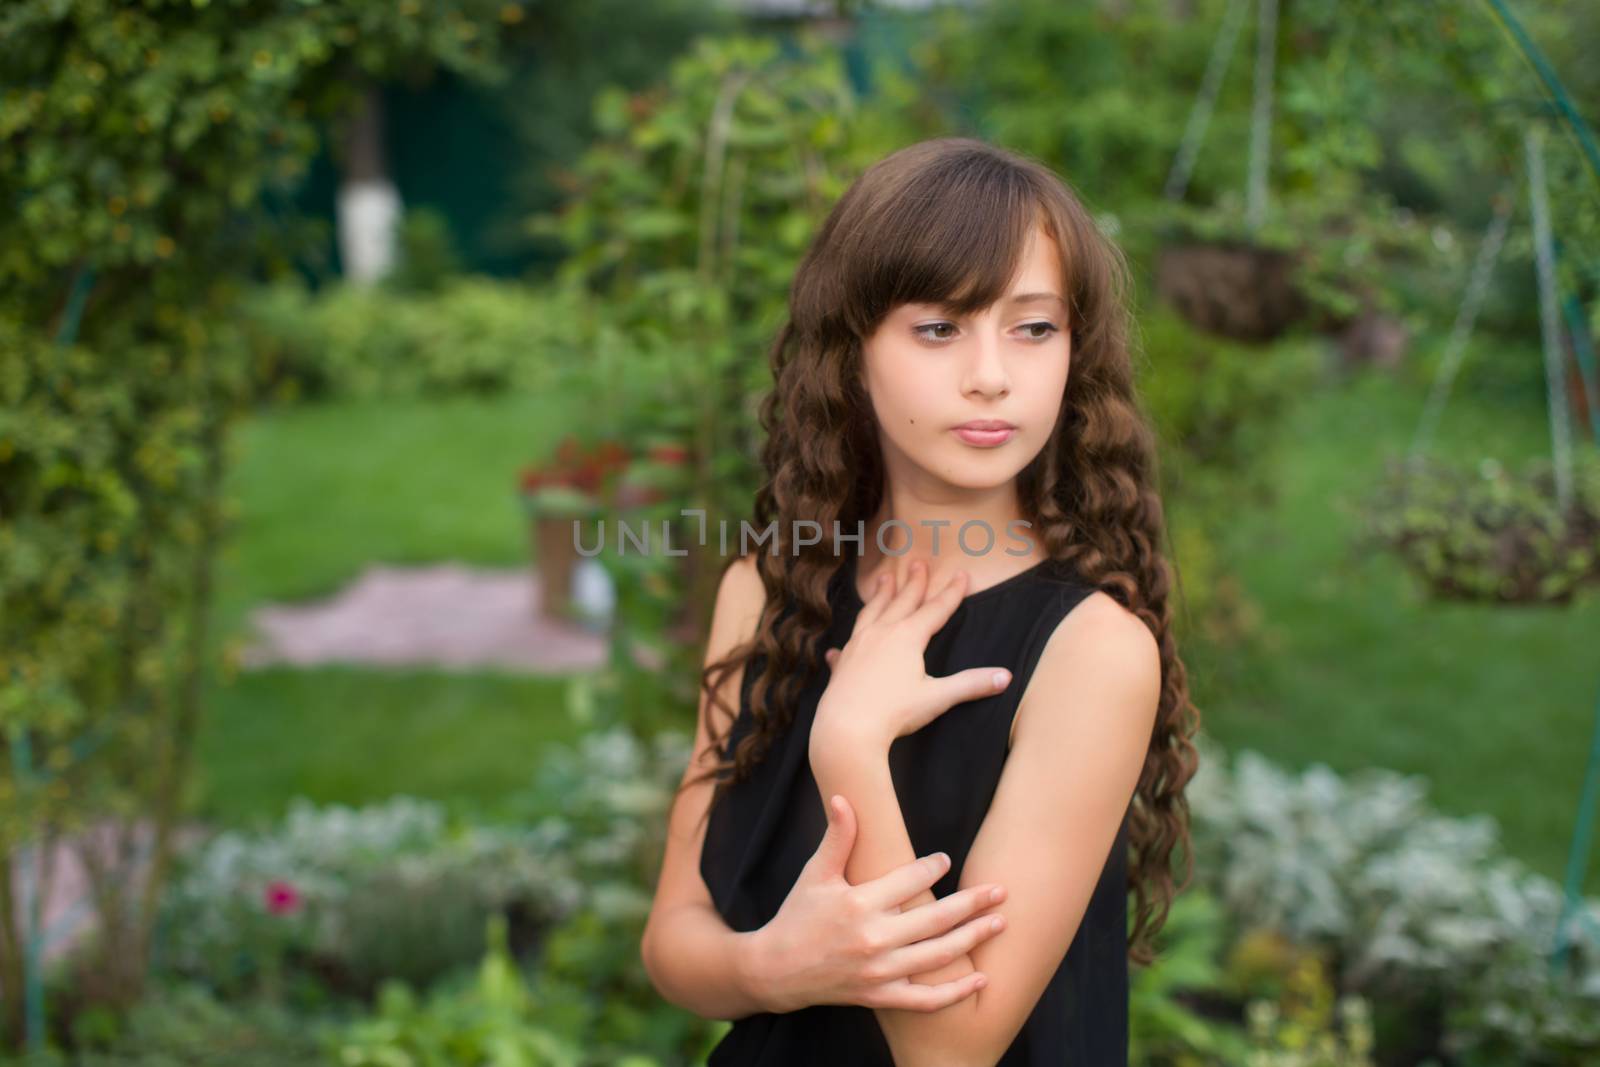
446,615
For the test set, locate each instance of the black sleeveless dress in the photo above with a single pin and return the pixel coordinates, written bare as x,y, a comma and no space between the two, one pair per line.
765,829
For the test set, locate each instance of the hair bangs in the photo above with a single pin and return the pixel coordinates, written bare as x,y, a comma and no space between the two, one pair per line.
953,238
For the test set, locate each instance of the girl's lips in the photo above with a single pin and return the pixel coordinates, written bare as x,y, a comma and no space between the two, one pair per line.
984,438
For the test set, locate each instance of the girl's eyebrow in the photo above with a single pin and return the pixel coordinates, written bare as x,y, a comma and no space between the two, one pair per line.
1038,298
1020,298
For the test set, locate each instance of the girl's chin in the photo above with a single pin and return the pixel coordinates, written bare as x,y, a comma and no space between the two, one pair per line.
974,475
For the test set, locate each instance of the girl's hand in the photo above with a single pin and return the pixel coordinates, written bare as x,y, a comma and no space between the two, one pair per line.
835,943
880,688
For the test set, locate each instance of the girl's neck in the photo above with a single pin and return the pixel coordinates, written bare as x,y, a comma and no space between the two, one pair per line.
989,545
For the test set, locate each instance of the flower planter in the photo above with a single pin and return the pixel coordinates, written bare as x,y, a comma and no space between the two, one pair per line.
605,484
555,558
570,488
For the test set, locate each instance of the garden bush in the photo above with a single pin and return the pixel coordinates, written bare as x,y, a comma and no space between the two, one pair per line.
501,1015
185,1024
1317,896
471,335
348,897
1422,913
146,148
336,901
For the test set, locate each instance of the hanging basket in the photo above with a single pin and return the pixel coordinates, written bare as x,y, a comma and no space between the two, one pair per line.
1231,287
1485,534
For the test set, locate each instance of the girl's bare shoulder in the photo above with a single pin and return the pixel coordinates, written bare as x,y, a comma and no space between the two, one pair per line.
741,592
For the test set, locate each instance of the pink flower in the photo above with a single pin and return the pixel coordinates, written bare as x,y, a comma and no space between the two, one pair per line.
282,897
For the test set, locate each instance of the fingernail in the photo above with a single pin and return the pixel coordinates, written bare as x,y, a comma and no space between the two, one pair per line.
1001,678
982,981
996,893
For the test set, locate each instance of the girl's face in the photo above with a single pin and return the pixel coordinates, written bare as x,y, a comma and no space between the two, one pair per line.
928,373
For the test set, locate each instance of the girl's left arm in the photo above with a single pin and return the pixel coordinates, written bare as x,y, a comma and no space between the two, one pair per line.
1082,732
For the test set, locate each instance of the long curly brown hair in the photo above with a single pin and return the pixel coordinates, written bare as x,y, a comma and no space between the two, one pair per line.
945,221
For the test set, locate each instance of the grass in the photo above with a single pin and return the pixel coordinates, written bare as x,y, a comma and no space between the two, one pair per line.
1355,667
320,492
351,736
325,489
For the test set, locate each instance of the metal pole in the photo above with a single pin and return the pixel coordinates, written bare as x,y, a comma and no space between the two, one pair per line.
1549,322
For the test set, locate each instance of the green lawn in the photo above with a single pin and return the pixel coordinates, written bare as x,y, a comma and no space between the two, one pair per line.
1355,668
321,491
324,490
349,735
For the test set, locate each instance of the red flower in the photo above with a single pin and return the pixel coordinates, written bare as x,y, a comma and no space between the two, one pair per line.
578,465
282,897
669,454
587,476
613,455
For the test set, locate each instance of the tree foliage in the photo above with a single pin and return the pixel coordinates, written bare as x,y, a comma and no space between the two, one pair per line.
142,151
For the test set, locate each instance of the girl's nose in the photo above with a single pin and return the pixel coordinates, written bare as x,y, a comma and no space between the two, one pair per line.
986,373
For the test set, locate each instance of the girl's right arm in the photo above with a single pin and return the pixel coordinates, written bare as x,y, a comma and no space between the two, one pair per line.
702,965
694,958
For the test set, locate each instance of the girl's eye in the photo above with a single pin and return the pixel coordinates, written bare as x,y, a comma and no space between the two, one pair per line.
1049,328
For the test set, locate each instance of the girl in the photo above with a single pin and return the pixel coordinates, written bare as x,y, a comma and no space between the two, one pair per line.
973,665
